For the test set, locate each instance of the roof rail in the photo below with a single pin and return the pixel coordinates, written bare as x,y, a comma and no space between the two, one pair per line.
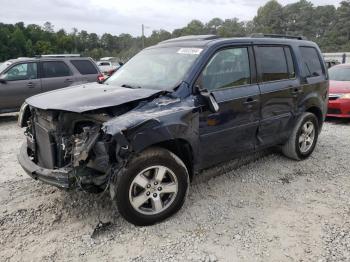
59,55
191,38
261,35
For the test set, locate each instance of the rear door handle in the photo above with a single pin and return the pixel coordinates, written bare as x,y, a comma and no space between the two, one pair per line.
250,101
68,80
30,85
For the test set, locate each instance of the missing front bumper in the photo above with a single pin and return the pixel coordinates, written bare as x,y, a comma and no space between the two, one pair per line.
61,178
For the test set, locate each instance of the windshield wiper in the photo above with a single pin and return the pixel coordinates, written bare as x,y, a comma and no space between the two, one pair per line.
130,86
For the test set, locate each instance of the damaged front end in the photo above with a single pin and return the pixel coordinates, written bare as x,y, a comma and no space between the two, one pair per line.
68,150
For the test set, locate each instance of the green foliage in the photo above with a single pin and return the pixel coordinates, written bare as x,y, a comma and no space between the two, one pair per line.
327,25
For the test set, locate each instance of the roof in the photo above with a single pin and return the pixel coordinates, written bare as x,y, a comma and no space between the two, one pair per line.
45,58
206,40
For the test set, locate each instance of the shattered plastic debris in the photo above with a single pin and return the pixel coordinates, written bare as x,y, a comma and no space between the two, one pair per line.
100,228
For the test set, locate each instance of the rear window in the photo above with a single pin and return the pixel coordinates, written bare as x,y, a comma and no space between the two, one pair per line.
85,67
104,64
311,62
55,69
274,65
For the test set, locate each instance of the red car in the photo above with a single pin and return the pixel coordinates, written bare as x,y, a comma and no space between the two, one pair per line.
339,91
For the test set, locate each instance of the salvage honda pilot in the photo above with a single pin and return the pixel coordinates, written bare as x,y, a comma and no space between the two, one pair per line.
173,110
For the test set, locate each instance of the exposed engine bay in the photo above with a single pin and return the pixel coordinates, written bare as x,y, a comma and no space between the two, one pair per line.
59,139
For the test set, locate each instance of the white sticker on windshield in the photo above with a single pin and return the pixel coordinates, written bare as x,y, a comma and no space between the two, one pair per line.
190,51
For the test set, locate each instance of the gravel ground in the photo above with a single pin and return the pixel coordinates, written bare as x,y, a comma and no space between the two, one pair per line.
259,208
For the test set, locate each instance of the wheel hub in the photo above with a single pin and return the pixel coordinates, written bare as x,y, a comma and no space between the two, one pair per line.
153,190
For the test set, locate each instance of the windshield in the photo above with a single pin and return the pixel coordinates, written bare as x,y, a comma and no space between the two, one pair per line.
4,65
157,68
339,73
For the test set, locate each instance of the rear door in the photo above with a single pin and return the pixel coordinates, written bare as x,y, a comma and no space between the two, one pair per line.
21,82
55,75
88,70
280,89
230,77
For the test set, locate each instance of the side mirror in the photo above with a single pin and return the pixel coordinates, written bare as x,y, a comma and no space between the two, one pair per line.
210,100
2,79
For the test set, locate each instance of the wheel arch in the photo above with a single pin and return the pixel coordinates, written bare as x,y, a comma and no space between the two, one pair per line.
24,115
182,149
318,113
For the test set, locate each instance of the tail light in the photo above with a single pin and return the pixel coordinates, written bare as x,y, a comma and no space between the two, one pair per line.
100,78
111,72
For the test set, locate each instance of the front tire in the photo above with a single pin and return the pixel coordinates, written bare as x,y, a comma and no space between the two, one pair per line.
303,139
153,187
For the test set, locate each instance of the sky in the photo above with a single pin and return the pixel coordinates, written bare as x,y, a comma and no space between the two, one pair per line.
127,16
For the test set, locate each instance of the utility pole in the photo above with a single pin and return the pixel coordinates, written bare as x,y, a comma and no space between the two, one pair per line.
143,36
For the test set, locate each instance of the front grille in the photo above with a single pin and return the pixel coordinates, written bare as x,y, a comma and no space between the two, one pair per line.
333,111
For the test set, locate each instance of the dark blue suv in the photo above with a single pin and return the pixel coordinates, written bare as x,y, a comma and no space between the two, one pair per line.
173,110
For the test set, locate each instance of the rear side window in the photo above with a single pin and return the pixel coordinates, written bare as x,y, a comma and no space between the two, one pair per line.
311,62
274,64
55,69
85,67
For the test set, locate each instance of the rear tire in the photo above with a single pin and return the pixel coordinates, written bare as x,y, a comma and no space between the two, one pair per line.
153,187
303,139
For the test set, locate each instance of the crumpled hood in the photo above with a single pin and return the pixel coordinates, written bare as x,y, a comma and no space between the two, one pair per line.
88,97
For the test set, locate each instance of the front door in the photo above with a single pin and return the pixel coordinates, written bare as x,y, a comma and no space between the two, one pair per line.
232,130
20,82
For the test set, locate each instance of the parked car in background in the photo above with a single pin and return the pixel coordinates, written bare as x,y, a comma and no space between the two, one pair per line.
24,77
331,62
173,110
108,67
339,91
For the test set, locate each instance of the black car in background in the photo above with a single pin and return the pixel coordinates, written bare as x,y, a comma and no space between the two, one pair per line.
173,110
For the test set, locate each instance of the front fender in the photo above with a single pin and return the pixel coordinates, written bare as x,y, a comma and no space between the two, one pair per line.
159,121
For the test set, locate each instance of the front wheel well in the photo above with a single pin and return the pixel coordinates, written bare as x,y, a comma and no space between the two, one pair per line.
24,116
182,149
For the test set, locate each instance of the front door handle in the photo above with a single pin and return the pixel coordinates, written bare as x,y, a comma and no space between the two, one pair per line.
250,101
30,85
68,80
296,90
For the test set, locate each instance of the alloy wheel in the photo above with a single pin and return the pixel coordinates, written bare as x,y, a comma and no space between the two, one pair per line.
153,190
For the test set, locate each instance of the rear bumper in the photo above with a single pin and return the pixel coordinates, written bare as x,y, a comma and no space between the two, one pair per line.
339,108
61,178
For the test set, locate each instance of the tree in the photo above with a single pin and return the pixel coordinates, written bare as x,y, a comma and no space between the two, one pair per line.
299,19
269,18
343,20
213,25
327,25
231,28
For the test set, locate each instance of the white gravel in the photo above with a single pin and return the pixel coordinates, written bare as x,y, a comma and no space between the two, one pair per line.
259,208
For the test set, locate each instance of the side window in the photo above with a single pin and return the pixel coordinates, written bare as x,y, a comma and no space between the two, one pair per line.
311,62
228,68
273,61
290,63
25,71
55,69
85,67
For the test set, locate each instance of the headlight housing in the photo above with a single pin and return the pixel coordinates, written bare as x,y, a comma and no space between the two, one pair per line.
22,121
345,96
